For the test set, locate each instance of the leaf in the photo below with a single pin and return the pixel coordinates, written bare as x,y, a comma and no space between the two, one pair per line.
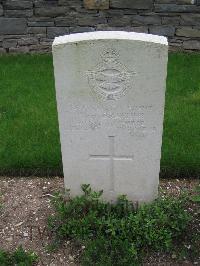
195,198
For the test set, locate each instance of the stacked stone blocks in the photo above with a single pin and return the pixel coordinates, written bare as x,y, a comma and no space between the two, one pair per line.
31,25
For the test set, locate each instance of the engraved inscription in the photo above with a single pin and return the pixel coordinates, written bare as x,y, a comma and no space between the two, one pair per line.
132,120
110,79
111,157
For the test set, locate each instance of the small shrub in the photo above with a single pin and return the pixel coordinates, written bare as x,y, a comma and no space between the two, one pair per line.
4,258
118,234
196,196
101,251
17,258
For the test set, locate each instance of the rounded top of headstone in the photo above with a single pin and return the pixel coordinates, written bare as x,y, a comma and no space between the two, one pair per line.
109,35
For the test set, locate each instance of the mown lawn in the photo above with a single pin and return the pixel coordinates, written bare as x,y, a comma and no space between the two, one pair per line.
29,137
181,138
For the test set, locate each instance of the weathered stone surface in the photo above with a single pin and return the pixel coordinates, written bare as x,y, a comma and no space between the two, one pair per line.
84,11
40,23
110,117
66,21
47,42
22,49
165,1
13,25
145,20
191,45
93,4
176,39
18,4
142,29
40,48
182,2
186,2
41,19
46,4
51,11
19,13
133,11
74,4
136,4
175,45
9,43
13,36
188,32
113,13
90,20
176,8
37,30
81,29
122,15
1,10
2,51
119,22
27,41
171,20
106,27
53,32
190,19
162,30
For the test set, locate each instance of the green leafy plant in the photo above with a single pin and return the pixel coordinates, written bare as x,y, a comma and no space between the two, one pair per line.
117,234
18,258
196,196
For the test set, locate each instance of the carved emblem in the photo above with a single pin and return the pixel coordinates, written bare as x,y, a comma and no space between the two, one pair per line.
110,79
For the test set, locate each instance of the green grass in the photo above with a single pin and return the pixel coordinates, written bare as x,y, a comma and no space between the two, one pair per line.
181,138
29,137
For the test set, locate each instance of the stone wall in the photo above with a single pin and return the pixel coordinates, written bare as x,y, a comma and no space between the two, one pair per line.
31,25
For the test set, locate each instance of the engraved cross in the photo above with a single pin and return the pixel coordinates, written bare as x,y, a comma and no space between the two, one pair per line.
111,157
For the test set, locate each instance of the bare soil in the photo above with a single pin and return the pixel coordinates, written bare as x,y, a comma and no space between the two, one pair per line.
25,210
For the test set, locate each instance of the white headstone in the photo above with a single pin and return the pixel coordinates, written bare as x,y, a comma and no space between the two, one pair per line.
110,89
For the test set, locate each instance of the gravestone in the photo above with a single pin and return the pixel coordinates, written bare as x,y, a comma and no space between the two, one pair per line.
110,90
